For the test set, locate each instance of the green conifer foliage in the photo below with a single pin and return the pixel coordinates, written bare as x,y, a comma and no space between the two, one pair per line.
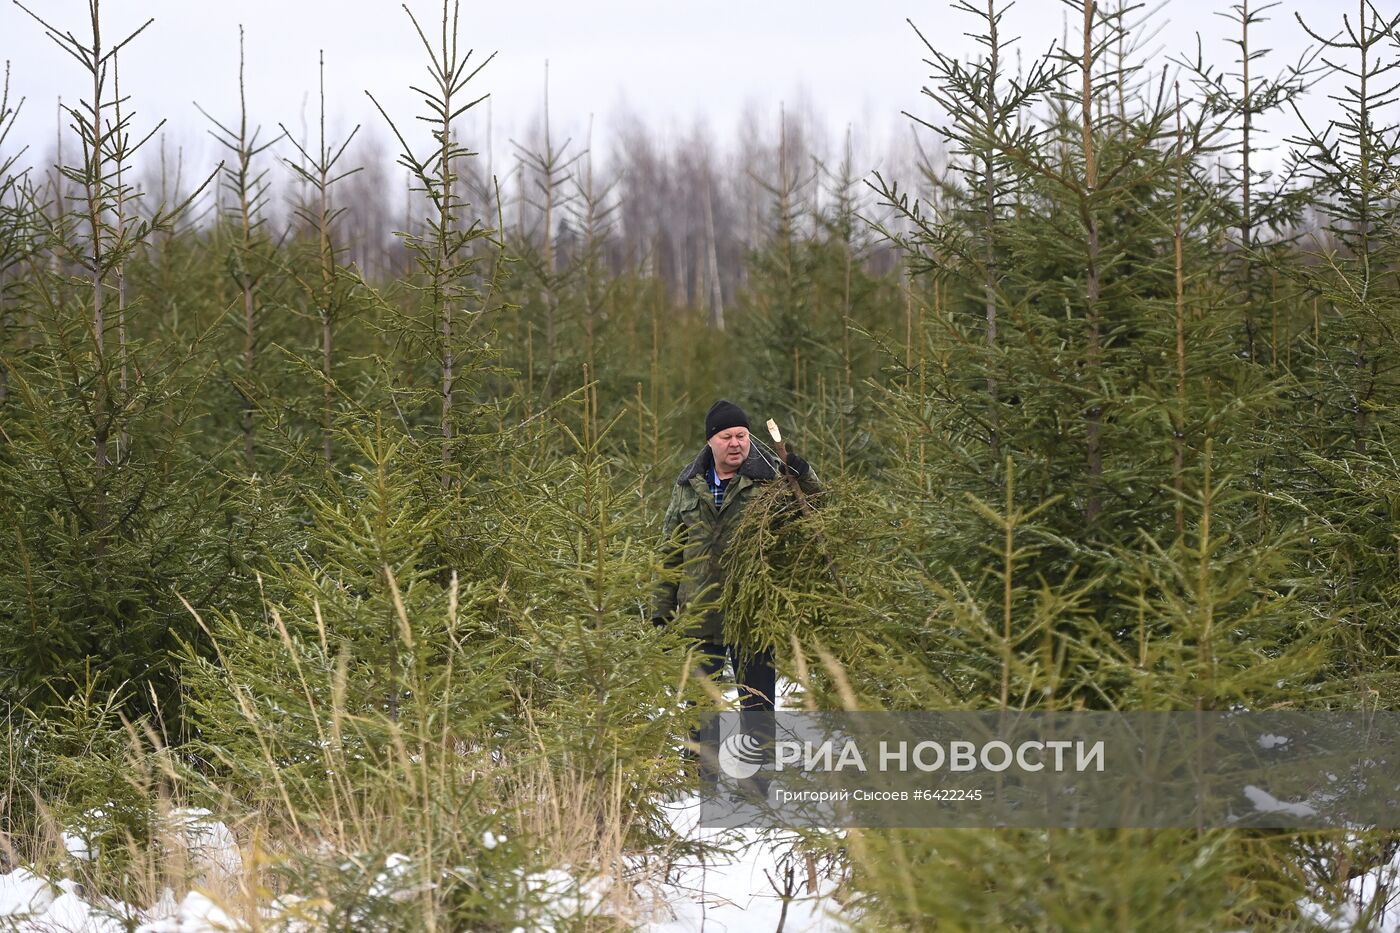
1342,479
1083,525
108,512
244,195
450,298
17,228
1089,296
781,327
329,289
439,661
1104,412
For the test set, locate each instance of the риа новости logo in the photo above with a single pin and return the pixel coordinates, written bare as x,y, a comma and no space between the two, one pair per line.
740,756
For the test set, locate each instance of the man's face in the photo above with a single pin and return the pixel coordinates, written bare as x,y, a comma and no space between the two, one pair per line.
731,448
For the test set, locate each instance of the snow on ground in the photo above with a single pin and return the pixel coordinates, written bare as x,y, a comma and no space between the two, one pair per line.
70,913
33,904
736,887
730,889
738,890
752,880
1360,910
30,904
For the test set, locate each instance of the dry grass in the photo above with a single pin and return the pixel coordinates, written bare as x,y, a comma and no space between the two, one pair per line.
568,829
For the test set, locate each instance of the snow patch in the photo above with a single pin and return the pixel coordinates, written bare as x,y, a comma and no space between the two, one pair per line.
1360,908
23,893
1265,802
743,887
32,904
208,845
393,881
195,914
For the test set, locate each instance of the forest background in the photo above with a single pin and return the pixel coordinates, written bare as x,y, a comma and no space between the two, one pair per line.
330,505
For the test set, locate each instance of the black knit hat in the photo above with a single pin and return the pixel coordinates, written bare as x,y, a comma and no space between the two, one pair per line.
724,414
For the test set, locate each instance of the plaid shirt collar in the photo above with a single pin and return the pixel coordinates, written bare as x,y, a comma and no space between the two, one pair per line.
717,487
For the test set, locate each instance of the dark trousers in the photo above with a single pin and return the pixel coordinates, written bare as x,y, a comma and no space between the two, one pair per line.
757,682
753,673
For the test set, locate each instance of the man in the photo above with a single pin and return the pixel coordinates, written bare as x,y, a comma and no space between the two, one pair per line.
706,504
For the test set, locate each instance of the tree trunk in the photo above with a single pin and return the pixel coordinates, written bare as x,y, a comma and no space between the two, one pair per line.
1094,414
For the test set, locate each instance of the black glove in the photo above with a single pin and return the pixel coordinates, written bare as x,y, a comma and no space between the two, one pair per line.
797,465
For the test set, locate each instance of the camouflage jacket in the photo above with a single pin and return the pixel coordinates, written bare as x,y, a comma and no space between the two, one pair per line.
695,534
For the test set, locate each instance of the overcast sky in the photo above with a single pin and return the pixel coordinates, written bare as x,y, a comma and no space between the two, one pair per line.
669,62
